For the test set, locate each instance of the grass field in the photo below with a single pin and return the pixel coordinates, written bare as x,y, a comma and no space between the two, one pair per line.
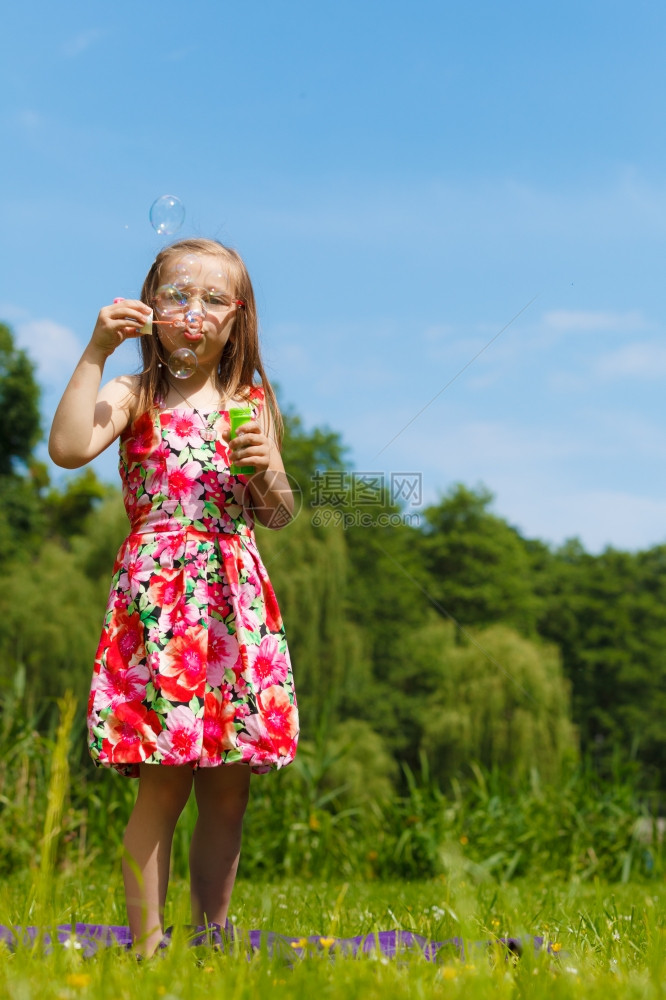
607,941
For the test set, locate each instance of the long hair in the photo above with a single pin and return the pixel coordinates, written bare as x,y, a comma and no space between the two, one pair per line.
241,357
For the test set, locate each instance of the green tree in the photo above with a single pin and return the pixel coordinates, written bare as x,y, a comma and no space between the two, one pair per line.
67,508
306,453
501,700
20,429
607,614
22,479
477,563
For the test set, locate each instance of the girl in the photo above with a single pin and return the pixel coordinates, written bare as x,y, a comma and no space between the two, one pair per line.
192,682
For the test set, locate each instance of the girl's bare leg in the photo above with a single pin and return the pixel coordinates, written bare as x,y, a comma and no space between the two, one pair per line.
222,793
163,792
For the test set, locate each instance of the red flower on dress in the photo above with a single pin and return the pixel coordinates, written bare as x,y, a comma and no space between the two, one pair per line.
141,442
132,733
274,728
219,729
273,616
183,665
126,642
164,591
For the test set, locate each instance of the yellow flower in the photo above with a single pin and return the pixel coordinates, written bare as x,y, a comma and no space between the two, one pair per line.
301,943
372,855
80,979
314,823
327,942
556,946
449,972
464,840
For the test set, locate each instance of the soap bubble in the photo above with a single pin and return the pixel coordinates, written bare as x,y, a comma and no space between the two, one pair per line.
170,304
167,215
182,362
194,319
187,270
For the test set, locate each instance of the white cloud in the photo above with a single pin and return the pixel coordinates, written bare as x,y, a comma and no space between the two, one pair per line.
54,348
646,360
79,43
594,321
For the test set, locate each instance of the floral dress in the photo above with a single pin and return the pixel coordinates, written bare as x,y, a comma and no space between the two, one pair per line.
192,666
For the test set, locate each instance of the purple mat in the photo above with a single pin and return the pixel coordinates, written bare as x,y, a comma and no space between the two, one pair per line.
88,939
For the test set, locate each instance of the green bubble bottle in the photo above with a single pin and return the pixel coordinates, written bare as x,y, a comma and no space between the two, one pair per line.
238,416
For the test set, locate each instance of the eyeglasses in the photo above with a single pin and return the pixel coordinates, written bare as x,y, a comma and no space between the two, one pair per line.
171,299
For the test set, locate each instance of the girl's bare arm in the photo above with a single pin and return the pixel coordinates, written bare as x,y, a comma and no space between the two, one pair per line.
88,417
270,490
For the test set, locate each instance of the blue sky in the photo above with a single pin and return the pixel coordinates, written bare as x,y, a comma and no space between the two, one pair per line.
403,180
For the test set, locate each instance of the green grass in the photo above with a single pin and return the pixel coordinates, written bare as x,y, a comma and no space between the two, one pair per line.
612,941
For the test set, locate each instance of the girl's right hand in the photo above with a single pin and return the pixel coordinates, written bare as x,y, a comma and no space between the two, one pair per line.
116,323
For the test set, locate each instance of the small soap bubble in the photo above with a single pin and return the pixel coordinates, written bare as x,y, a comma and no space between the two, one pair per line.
194,318
182,362
167,215
187,270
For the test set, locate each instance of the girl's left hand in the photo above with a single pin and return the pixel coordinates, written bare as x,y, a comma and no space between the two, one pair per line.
250,446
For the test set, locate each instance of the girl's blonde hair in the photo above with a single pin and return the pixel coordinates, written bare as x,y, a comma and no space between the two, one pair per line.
241,357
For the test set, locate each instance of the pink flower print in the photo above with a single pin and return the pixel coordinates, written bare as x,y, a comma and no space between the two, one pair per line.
223,652
183,430
183,673
267,665
155,478
134,480
180,742
153,661
180,617
169,548
139,570
213,488
217,601
240,686
115,687
121,600
241,599
183,480
200,587
132,734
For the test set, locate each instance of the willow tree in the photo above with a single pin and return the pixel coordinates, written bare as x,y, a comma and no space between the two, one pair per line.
501,700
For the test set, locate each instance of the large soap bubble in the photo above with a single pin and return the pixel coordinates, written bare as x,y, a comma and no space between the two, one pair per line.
167,215
182,362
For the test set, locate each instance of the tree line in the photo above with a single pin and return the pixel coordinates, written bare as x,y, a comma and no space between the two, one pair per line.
455,640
